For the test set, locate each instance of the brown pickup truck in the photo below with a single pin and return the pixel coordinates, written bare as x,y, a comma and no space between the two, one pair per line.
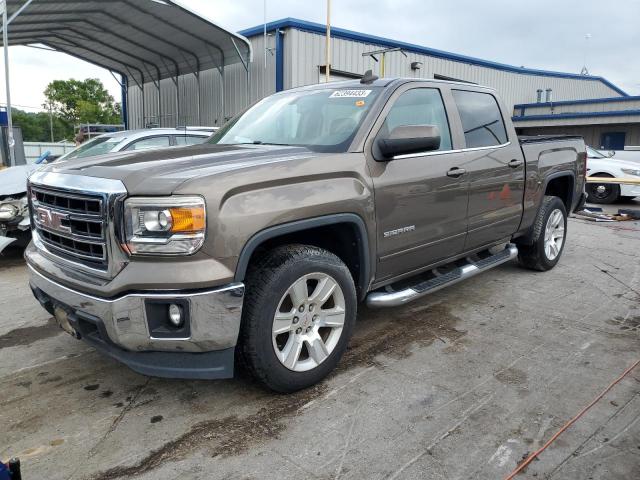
260,243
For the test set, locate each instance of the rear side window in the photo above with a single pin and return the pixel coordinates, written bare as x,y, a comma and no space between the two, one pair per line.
481,119
189,140
419,106
149,143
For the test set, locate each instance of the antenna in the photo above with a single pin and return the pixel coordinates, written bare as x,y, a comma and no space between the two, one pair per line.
585,70
368,77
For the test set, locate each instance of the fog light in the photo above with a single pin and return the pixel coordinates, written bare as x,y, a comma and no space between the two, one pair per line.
175,315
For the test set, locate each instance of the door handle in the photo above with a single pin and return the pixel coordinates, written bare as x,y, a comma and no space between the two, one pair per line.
456,172
515,163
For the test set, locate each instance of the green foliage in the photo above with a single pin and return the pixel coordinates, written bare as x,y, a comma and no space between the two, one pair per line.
72,102
85,101
36,126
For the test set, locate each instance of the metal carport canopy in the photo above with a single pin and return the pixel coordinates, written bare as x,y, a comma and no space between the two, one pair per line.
144,40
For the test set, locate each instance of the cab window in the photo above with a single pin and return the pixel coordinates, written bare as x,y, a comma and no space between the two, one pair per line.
419,106
481,119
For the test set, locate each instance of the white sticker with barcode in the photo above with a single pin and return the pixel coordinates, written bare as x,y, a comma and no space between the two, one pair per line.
350,94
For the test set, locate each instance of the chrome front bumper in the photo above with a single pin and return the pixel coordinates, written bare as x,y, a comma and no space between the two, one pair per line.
120,327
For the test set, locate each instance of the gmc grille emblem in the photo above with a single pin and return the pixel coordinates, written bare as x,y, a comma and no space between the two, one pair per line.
51,220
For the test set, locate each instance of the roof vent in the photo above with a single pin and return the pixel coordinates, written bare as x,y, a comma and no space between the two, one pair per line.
368,77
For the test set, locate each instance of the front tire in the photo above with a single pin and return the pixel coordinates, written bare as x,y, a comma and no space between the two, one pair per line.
603,193
298,317
549,235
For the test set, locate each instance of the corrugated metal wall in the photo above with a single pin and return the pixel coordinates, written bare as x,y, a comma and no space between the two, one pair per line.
631,104
302,56
211,104
308,49
592,133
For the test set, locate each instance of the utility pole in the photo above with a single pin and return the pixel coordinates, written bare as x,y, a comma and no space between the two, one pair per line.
585,70
51,121
5,42
328,47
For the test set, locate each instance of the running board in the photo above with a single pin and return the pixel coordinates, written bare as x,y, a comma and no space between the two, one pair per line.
392,298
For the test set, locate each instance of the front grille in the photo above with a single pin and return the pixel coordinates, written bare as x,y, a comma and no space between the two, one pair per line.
69,202
71,225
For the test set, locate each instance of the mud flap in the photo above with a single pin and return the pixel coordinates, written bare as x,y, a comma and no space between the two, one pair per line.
5,242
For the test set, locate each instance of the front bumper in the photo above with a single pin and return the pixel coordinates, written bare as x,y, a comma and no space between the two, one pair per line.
120,327
630,190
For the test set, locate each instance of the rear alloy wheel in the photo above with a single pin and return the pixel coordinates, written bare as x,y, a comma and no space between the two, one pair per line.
548,236
298,316
554,234
603,193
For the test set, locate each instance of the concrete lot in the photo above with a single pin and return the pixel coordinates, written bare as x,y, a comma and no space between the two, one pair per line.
461,385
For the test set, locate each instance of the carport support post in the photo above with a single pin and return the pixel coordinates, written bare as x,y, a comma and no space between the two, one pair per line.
177,82
5,42
197,74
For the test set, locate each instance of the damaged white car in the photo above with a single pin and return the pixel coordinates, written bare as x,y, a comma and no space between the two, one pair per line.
14,209
14,214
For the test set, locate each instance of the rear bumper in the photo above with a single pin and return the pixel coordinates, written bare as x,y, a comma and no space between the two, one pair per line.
124,329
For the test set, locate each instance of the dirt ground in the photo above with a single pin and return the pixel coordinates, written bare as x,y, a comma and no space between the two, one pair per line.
460,385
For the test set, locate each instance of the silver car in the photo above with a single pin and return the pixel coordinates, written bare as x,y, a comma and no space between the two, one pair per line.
14,218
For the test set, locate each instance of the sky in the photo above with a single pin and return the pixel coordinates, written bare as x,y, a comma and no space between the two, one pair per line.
544,34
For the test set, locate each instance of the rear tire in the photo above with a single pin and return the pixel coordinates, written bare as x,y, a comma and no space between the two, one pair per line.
602,193
298,316
549,236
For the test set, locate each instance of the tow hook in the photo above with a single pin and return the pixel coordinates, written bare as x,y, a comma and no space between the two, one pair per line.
62,318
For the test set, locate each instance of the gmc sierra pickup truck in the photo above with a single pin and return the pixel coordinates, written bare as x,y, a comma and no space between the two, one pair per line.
259,244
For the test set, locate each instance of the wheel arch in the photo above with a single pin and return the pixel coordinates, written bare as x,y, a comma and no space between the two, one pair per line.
345,226
561,185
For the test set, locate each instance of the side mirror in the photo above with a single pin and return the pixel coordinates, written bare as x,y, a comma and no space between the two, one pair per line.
408,139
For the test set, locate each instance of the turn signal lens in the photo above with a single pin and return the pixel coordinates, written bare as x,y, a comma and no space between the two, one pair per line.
187,219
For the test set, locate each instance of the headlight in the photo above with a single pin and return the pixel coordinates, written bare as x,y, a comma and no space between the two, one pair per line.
164,225
632,171
8,212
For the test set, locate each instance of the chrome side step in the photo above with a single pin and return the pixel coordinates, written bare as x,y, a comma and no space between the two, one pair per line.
393,298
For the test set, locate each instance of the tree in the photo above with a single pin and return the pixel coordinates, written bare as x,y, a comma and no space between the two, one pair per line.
36,127
85,101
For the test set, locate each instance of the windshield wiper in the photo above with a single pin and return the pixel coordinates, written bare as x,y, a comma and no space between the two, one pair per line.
260,142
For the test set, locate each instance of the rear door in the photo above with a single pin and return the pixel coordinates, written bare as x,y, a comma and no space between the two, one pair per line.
495,168
420,210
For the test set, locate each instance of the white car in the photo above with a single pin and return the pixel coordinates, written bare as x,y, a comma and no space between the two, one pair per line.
14,218
147,139
601,165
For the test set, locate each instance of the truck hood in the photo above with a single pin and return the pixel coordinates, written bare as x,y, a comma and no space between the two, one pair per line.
160,172
13,180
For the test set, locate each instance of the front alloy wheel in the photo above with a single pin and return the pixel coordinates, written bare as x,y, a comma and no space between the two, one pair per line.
299,312
309,322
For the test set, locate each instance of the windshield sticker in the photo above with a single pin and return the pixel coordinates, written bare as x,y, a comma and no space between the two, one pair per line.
350,94
360,103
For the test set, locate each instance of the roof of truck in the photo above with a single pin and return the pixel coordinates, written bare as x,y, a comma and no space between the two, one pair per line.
385,82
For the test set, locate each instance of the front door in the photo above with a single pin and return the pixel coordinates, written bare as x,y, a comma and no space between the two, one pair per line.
495,167
420,211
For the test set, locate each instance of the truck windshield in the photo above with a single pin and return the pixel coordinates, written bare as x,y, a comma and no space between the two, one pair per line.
323,120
